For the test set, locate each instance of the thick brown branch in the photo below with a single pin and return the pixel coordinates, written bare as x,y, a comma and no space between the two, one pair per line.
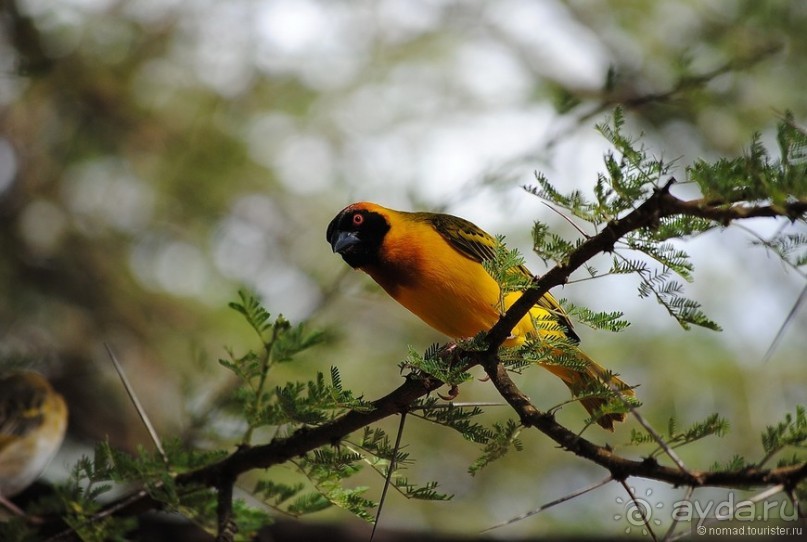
724,214
620,467
306,439
280,450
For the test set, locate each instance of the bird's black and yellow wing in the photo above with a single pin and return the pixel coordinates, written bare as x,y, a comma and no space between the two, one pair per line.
480,246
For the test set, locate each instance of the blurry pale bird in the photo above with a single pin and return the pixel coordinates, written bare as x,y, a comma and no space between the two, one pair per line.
33,419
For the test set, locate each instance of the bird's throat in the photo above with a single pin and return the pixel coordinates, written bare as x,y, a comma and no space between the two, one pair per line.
392,278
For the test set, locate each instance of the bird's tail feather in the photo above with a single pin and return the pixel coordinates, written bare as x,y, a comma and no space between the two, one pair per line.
587,379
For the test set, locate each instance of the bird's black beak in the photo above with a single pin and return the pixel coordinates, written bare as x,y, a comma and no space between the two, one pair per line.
344,240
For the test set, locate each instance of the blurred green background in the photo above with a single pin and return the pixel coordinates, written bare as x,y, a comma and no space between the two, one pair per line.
157,155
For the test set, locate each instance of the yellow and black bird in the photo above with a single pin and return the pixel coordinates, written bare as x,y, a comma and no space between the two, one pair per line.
33,420
432,264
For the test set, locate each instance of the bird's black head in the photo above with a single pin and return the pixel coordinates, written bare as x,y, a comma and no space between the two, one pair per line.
357,233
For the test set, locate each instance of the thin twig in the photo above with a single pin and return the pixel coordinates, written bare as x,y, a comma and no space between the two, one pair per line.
641,510
675,517
11,507
390,472
789,318
136,402
802,296
106,512
658,438
767,245
567,219
794,499
661,442
702,522
636,101
543,507
770,492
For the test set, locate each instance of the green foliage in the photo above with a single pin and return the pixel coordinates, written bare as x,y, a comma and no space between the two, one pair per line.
666,254
250,520
507,268
574,201
295,402
379,453
93,477
659,282
503,438
555,349
790,247
326,468
308,503
424,493
607,321
458,418
313,402
792,431
550,246
681,227
756,176
712,425
668,293
437,362
16,529
737,462
630,180
276,494
552,349
615,403
376,442
261,403
631,174
201,507
255,315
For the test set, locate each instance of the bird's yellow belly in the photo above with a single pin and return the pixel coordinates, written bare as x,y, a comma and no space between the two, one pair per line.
461,307
450,311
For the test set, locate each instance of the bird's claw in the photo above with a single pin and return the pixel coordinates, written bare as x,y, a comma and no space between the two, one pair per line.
453,392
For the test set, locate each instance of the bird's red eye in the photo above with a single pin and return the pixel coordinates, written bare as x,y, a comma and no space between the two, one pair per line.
358,219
